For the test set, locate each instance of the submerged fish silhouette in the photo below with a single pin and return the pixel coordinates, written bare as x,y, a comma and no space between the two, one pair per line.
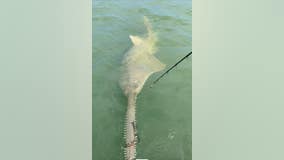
138,64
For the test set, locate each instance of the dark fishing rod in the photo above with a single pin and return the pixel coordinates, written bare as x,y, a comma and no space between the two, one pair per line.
161,76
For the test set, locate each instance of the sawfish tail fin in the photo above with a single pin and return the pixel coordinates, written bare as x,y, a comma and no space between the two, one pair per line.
152,61
147,24
151,35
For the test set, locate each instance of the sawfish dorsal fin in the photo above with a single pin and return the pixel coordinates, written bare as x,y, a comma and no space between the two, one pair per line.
135,39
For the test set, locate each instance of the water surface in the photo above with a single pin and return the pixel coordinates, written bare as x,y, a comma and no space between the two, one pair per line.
164,111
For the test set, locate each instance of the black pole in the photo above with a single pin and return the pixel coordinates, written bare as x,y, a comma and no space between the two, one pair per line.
171,68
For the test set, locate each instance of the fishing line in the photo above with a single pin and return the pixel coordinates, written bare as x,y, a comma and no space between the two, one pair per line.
161,76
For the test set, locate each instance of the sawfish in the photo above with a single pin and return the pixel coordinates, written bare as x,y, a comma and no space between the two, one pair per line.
138,64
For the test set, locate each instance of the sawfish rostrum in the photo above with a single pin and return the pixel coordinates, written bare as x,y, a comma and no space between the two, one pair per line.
138,64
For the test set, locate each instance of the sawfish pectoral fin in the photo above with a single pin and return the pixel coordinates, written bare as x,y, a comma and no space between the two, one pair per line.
135,40
155,64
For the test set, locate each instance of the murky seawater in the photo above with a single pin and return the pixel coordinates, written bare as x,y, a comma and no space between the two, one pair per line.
164,111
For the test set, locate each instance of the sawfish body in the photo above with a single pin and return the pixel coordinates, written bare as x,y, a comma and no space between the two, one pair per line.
138,64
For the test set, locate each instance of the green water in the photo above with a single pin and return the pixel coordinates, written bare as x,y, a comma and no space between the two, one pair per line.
164,111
